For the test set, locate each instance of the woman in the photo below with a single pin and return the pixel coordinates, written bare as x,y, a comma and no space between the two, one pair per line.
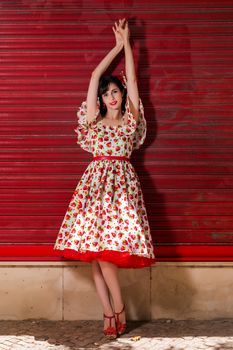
106,222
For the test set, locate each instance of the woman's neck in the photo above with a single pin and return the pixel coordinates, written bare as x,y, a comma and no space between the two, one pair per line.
113,115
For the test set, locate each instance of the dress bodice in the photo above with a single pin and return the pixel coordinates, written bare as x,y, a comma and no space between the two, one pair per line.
119,140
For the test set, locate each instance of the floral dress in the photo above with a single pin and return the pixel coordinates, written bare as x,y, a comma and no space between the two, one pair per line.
106,218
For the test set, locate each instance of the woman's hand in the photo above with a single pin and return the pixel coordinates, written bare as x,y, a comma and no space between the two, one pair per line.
118,37
121,32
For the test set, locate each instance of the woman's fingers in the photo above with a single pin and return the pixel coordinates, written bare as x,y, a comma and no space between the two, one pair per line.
118,33
120,28
123,23
117,26
120,23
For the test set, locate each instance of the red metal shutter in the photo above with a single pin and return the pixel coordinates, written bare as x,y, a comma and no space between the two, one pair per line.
183,52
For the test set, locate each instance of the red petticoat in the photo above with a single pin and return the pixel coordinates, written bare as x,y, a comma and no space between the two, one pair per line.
121,259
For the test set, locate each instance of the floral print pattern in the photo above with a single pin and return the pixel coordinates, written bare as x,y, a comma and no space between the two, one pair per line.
106,217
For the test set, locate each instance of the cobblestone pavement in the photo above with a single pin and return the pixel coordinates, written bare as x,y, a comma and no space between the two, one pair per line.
156,335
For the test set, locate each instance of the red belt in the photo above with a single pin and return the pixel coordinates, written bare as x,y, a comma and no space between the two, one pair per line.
111,157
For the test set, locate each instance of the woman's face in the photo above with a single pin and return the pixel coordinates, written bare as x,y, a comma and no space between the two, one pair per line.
112,97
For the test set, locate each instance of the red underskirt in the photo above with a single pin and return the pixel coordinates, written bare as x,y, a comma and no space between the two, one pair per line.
121,259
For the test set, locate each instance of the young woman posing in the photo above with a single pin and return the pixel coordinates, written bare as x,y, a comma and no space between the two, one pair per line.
106,223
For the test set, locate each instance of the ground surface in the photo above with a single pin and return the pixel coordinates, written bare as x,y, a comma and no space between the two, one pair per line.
157,335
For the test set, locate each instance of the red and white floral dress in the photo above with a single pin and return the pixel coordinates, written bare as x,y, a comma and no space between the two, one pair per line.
106,218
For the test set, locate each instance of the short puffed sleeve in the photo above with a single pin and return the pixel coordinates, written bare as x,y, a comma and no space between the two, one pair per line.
83,130
137,128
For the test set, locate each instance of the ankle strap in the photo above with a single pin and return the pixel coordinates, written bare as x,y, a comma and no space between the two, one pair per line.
109,317
118,313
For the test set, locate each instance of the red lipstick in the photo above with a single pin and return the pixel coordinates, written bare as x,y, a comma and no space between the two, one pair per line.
113,103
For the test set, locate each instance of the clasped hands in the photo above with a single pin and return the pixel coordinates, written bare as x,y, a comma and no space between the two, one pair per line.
121,31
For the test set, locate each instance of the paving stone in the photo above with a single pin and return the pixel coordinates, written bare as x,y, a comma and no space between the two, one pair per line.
78,335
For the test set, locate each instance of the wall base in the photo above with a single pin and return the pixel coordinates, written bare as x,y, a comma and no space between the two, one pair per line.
65,291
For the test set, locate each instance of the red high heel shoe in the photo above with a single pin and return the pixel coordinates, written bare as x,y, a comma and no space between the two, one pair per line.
121,327
111,331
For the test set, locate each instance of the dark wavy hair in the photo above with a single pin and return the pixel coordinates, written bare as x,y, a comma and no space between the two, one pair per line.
104,83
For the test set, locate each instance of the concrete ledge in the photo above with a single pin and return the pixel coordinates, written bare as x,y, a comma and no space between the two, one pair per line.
65,291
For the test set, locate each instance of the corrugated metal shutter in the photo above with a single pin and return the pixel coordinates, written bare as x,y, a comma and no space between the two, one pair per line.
183,51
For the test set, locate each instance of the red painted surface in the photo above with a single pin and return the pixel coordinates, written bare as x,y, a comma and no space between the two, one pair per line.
183,53
164,253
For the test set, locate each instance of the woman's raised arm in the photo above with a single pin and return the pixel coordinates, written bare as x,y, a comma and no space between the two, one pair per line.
132,86
96,74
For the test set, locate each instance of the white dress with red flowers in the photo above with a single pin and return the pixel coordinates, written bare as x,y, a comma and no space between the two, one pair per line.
106,218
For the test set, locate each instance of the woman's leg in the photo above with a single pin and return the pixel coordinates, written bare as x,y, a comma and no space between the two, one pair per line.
110,275
103,292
